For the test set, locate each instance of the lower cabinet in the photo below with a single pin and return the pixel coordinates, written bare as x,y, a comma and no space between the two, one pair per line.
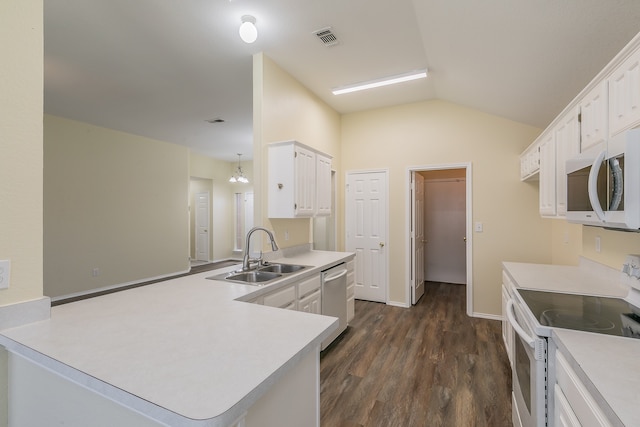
573,404
305,295
351,291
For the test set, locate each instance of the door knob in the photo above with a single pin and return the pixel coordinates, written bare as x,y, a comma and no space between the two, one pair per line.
381,244
464,238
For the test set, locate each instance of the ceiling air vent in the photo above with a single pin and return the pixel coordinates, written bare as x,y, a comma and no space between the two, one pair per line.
326,36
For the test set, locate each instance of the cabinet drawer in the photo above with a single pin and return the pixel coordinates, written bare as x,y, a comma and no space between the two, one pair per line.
580,400
351,285
281,298
308,285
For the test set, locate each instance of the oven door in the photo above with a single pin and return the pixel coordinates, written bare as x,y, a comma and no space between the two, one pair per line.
529,371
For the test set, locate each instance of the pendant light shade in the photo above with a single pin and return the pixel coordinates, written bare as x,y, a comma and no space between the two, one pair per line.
248,30
238,176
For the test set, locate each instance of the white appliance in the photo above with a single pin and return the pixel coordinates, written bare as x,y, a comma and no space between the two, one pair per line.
603,187
533,314
334,298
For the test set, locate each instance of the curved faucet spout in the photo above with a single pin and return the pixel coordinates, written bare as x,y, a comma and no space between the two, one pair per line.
246,261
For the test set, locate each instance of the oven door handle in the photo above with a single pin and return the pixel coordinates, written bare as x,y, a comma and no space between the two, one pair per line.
516,326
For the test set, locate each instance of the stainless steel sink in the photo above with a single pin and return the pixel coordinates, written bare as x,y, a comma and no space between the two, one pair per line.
254,277
283,268
260,276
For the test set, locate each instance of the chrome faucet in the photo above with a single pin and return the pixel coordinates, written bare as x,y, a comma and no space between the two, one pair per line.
246,261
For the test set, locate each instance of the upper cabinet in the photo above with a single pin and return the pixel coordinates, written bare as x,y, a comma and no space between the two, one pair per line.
530,162
567,135
610,104
299,180
594,128
624,95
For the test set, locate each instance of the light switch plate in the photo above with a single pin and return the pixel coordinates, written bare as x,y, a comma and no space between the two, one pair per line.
5,273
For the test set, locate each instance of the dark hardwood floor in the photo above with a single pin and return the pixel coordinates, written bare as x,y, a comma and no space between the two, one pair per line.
429,365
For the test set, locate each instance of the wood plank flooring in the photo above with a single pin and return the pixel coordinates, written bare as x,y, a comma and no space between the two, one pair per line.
429,365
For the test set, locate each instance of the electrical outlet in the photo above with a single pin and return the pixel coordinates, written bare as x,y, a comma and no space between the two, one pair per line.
478,227
5,273
598,244
95,272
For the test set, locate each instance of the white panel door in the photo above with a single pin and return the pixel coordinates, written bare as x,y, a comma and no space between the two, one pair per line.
417,238
366,229
445,230
202,226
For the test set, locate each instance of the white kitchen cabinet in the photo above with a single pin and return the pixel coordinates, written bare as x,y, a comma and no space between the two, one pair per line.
530,162
572,401
311,303
594,118
563,414
624,95
567,136
548,175
309,295
351,291
299,180
323,185
507,329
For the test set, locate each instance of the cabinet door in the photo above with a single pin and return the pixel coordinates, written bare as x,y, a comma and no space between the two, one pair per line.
305,176
624,95
563,415
507,329
323,185
311,303
594,118
567,146
548,175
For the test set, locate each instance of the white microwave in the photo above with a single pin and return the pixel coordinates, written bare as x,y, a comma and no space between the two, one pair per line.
603,188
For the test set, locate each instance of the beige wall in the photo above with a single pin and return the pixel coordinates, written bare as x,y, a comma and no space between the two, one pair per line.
213,175
112,201
438,133
286,110
21,76
21,86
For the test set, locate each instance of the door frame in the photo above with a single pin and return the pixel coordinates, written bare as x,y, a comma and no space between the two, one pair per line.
386,225
469,227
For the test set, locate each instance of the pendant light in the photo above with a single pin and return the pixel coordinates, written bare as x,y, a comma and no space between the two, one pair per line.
238,176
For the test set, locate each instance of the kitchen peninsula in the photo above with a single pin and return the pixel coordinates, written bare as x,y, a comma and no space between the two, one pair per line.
183,352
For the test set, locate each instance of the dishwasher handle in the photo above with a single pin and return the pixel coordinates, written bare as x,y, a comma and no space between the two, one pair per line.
334,276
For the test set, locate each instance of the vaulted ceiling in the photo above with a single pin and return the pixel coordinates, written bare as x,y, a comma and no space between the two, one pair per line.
164,68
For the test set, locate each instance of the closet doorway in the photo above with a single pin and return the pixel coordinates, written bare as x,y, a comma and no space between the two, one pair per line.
439,248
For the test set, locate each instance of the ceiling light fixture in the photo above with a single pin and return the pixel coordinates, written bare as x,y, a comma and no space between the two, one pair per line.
238,176
248,31
413,75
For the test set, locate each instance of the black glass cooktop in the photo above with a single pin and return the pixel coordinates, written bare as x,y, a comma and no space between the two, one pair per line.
605,315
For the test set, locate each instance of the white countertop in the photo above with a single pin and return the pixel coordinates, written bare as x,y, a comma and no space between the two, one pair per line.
609,367
184,351
588,278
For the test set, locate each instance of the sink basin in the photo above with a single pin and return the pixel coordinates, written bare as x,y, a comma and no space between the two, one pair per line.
282,268
254,277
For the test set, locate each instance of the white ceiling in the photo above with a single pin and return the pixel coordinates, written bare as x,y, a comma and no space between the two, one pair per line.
161,68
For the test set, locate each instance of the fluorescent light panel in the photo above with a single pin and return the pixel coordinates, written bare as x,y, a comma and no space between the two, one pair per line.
413,75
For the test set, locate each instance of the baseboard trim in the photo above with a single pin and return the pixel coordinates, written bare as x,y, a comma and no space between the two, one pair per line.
487,316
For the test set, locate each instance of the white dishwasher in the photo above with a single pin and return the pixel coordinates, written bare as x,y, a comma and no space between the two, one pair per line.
334,298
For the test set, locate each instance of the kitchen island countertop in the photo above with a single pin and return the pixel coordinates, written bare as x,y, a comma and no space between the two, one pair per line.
184,351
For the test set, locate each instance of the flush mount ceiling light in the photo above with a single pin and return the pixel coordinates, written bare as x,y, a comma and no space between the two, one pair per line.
248,31
413,75
238,176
